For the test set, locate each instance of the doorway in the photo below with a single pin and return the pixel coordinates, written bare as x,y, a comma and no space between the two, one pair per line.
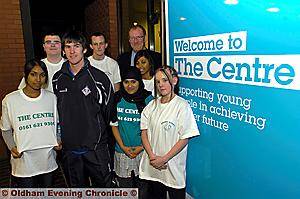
54,16
144,12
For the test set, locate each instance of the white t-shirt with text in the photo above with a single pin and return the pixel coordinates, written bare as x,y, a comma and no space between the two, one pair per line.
34,125
166,124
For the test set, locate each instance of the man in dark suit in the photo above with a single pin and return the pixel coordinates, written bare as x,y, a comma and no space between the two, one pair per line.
137,35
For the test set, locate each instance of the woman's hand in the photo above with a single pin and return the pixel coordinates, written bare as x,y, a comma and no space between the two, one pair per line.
136,150
15,153
159,162
128,152
165,166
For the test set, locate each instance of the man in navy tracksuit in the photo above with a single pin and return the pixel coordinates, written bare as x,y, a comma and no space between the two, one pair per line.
84,100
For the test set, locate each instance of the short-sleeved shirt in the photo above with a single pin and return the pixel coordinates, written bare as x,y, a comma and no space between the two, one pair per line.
109,66
129,129
34,124
166,124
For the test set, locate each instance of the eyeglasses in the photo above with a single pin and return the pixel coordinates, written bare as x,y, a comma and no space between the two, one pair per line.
48,42
136,38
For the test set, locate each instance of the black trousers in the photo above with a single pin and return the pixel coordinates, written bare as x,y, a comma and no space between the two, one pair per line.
134,182
158,190
39,181
93,165
111,147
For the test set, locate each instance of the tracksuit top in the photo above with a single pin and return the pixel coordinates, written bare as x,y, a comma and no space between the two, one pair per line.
84,103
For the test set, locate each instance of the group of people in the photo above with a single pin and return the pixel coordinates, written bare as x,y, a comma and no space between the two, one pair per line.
77,105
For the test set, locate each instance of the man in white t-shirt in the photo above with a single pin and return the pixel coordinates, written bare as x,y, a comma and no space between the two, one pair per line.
53,60
110,67
104,63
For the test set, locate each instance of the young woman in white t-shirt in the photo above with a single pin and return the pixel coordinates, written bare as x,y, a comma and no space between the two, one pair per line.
144,63
167,123
29,127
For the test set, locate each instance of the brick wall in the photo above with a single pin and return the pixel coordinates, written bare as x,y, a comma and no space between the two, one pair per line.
12,53
101,15
113,27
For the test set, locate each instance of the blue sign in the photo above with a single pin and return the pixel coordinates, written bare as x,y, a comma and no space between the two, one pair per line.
239,63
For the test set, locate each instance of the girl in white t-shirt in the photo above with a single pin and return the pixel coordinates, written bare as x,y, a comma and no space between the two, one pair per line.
29,126
167,123
144,63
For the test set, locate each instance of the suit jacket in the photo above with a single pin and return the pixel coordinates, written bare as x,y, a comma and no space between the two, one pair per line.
124,61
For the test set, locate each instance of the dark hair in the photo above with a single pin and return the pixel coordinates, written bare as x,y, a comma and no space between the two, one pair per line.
51,34
74,37
29,65
146,54
98,34
134,27
169,72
